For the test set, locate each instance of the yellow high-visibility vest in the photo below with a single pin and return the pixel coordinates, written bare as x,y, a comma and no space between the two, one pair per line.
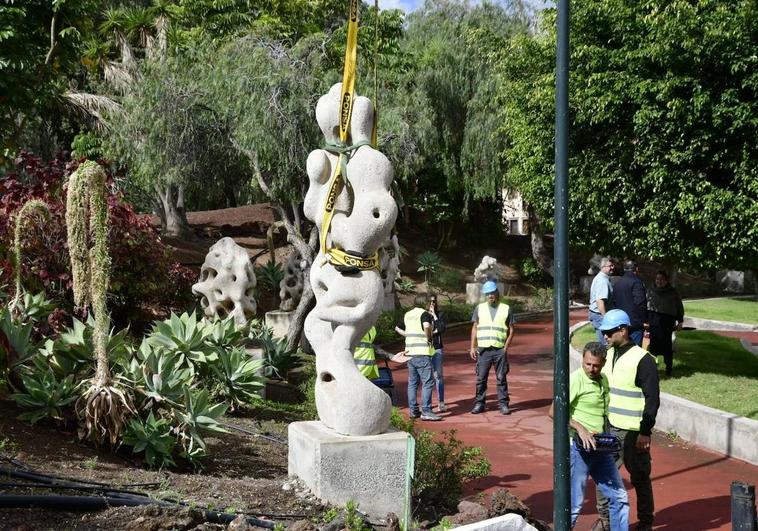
365,356
492,332
626,399
415,338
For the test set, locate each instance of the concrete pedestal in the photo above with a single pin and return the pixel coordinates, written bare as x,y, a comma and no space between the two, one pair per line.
370,470
474,292
279,321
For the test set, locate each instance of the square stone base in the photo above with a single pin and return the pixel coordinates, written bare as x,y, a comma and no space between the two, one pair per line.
369,470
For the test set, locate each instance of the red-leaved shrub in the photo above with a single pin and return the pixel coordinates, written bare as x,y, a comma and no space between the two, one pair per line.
144,279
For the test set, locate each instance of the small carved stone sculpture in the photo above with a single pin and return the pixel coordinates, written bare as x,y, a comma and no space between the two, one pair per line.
227,281
291,286
348,305
488,270
389,257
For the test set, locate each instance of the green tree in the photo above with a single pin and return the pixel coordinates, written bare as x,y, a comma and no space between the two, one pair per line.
663,119
444,95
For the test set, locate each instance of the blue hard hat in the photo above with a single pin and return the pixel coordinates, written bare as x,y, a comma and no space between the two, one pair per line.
614,319
489,287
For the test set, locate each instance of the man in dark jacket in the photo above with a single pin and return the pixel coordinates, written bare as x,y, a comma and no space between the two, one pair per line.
629,295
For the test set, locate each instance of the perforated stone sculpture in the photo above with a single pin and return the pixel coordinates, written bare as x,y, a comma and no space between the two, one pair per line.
291,286
227,281
487,270
389,260
348,305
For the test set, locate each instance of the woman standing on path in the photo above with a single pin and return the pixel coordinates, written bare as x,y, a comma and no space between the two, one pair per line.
438,327
666,313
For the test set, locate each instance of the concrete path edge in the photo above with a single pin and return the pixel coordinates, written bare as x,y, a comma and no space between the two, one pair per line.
705,426
507,522
711,324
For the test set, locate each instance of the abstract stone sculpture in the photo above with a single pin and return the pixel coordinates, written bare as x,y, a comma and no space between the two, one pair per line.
291,286
488,270
389,260
227,281
348,305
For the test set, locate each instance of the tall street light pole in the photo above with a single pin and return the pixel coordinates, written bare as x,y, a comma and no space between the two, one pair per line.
561,465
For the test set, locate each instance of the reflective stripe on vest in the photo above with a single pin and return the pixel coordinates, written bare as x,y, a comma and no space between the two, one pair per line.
415,338
626,399
365,357
489,332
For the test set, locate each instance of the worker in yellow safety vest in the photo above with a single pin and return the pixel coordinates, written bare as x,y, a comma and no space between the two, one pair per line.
417,330
491,334
632,408
366,353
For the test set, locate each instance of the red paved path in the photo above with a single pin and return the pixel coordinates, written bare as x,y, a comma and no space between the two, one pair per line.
691,484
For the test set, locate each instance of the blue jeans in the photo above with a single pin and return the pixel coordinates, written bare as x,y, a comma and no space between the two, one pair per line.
596,319
420,369
602,467
437,366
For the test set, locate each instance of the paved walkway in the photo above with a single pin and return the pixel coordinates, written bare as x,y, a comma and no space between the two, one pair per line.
691,484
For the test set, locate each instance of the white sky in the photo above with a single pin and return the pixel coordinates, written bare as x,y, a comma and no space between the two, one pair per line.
411,5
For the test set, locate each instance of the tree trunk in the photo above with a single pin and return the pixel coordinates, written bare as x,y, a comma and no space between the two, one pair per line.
170,210
539,250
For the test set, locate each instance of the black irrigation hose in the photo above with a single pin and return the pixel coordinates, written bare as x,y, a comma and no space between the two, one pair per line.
92,503
255,434
74,484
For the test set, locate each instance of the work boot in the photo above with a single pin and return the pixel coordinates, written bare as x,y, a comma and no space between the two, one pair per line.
478,408
601,524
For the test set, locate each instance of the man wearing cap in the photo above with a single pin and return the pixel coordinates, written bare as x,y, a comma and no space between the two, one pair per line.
491,334
600,296
417,329
632,408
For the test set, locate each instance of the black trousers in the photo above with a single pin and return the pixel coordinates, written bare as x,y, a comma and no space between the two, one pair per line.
661,327
639,466
485,359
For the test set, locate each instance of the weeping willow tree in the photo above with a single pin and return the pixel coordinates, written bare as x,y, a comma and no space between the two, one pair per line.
106,406
30,209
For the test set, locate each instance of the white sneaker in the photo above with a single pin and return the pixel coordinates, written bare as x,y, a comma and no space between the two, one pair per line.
441,408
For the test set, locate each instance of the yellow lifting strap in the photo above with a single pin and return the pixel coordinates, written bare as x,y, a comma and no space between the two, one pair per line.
336,256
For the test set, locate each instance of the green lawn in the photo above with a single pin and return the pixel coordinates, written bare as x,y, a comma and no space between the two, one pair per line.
709,369
734,310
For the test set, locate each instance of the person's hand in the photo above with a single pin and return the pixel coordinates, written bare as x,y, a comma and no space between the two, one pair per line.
472,353
588,441
643,443
400,357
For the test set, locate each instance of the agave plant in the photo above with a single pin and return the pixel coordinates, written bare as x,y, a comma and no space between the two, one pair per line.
165,376
152,436
199,415
278,359
45,395
17,345
224,333
239,375
31,307
269,277
183,335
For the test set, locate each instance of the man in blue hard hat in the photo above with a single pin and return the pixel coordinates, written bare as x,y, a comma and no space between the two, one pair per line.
491,334
632,408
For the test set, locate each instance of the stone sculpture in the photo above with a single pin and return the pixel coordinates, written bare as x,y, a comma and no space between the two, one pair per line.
488,270
389,257
347,305
227,281
291,286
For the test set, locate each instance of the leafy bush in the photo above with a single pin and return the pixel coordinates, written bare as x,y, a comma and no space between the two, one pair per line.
143,274
443,464
449,280
406,285
429,263
269,276
385,325
542,299
531,271
153,437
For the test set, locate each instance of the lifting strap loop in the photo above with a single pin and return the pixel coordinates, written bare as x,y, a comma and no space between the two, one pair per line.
340,257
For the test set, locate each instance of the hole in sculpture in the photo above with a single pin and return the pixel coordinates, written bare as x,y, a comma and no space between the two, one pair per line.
204,302
218,293
326,377
375,213
227,305
234,278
